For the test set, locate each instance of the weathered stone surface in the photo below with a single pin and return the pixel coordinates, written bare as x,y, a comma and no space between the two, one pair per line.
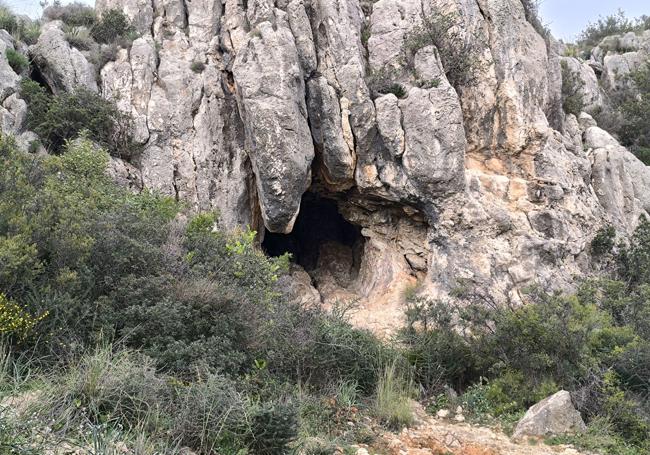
140,12
326,121
619,66
554,415
9,80
271,95
590,90
63,67
620,180
434,154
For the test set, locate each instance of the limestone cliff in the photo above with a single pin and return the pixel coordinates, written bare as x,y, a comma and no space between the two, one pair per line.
265,110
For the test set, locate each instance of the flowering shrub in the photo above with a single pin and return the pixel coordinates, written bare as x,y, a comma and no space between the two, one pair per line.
15,321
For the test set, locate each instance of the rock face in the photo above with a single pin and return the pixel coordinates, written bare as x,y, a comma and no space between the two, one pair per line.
244,107
554,415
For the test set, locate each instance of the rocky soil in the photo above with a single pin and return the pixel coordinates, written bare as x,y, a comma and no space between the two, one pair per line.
437,436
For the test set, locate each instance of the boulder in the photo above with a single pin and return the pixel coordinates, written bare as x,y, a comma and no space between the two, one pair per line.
63,67
554,415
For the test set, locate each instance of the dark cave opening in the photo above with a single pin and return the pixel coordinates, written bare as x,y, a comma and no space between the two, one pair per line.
318,225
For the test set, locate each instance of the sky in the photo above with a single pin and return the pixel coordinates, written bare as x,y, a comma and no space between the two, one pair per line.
566,18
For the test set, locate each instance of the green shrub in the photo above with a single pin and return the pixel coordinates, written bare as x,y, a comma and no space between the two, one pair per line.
332,350
57,119
603,241
103,54
28,32
398,90
572,86
17,61
635,260
427,84
21,29
273,427
112,26
625,414
74,14
381,82
599,438
211,415
197,66
634,106
460,57
438,354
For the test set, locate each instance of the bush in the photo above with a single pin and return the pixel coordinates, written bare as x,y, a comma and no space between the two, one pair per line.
635,260
330,351
459,56
599,438
22,30
531,10
595,342
211,414
202,305
274,426
438,354
635,108
57,119
197,66
572,86
28,32
629,115
73,14
603,241
112,26
15,322
17,61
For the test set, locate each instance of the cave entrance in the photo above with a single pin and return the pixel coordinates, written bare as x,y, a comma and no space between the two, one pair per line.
321,238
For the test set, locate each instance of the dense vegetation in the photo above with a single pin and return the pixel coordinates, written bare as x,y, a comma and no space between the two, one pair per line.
84,264
144,328
595,343
57,119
